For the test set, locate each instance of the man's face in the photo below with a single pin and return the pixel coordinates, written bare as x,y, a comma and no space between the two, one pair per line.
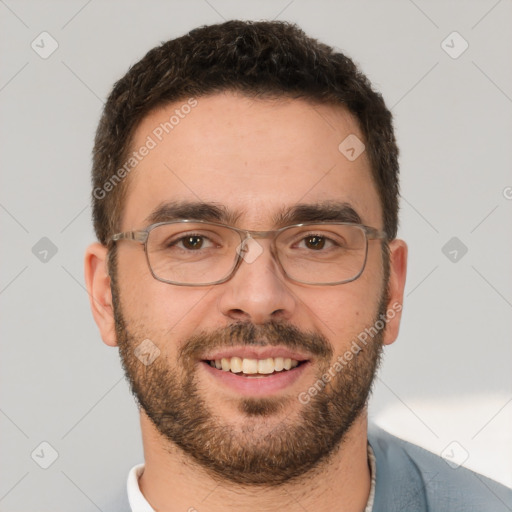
254,160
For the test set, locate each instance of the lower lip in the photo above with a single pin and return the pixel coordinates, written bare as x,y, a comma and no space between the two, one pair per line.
256,386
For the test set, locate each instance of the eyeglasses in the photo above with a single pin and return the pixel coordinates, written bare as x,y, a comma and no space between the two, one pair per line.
196,253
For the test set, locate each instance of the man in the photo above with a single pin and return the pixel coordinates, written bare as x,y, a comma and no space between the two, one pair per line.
245,190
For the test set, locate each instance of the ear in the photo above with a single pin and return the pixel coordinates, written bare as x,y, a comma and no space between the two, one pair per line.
398,272
97,281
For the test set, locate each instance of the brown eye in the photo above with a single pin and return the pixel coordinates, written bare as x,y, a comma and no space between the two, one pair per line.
192,242
315,242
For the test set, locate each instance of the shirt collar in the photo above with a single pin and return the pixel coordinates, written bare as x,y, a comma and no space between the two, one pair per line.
373,473
138,502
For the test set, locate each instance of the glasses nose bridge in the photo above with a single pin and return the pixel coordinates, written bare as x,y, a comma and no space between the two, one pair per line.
246,235
259,234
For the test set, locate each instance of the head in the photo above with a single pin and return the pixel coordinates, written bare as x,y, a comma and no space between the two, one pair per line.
253,125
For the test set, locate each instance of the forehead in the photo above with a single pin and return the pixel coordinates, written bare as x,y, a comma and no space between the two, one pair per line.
254,158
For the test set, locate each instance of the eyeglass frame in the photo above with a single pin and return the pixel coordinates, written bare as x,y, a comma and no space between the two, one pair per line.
142,236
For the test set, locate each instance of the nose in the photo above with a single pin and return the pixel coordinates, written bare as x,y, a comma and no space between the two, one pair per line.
259,291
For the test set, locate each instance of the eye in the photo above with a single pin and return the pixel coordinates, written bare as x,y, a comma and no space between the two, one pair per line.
316,242
193,242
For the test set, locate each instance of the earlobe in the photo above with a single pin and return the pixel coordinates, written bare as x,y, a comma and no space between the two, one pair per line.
397,277
97,281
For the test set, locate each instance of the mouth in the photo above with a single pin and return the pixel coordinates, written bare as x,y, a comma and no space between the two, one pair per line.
255,372
248,367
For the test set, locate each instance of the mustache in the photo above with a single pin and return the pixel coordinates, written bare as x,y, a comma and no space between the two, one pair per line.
272,333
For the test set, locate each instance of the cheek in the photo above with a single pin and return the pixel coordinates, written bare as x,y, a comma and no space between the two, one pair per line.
161,312
342,312
160,306
135,284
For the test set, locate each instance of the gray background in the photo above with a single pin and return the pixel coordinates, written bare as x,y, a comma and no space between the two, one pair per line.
445,384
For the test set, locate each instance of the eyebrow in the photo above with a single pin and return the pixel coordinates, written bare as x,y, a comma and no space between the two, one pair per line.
212,212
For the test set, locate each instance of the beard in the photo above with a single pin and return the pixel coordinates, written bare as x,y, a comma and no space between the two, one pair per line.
266,446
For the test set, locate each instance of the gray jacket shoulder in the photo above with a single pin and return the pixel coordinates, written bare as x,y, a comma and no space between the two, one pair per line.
410,478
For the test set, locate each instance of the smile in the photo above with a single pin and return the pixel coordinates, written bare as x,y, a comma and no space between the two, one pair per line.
255,367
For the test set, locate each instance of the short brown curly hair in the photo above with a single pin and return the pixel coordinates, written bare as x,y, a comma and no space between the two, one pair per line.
259,59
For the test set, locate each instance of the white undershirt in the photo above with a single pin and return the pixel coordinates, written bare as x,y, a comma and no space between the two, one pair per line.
138,502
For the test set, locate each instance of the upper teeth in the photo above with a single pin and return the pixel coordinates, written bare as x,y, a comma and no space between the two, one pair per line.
251,366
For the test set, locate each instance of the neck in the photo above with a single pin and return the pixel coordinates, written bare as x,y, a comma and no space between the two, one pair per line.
173,482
